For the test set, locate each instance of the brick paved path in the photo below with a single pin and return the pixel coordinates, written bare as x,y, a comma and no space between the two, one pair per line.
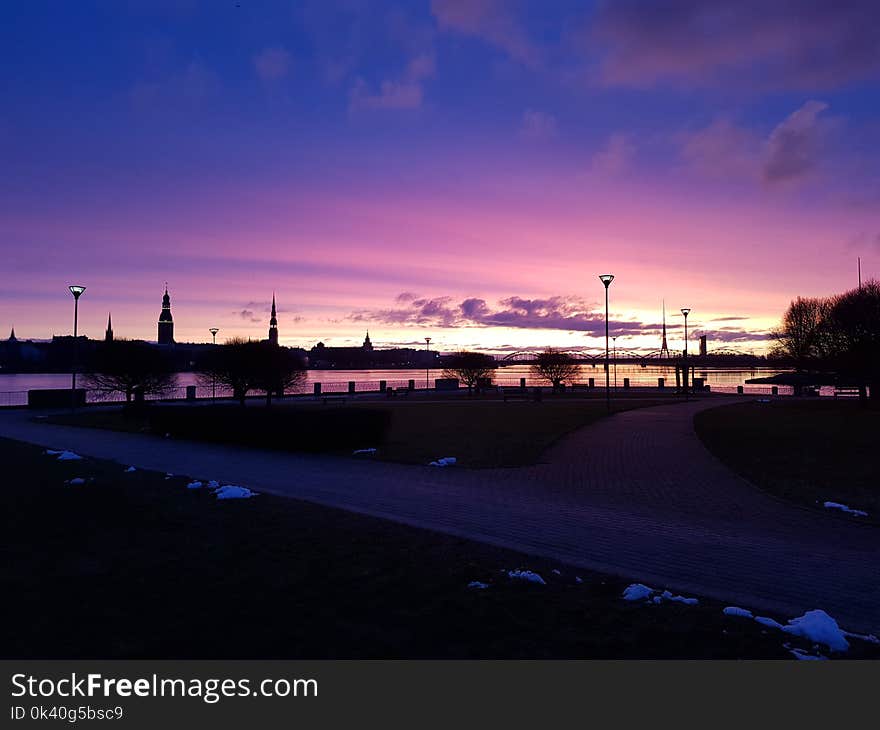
635,495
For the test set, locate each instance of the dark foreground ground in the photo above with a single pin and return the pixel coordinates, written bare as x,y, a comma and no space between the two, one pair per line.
135,565
481,431
806,451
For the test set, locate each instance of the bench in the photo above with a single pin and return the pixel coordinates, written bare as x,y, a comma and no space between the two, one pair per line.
846,392
514,394
333,399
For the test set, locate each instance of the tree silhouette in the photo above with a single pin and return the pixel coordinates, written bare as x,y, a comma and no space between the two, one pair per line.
122,366
245,365
803,335
469,367
555,367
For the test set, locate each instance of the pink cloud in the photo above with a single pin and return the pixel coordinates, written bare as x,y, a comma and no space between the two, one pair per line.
491,20
538,125
616,155
785,43
272,64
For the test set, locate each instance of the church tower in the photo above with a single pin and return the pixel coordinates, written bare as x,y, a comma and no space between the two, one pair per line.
166,321
108,335
12,337
368,346
273,324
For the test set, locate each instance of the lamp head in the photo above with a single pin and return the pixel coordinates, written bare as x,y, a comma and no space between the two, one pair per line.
213,330
76,290
686,311
606,279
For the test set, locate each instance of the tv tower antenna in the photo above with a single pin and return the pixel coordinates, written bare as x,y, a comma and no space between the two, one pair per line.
664,348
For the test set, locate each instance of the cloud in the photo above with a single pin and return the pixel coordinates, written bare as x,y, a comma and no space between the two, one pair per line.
723,150
794,150
403,93
248,315
615,157
272,64
188,88
795,146
537,125
491,20
779,44
558,312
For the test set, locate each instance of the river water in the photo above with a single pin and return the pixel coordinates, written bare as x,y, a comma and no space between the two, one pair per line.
14,387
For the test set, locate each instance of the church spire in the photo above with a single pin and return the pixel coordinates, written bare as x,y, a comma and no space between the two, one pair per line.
12,337
108,335
166,321
368,345
273,323
664,347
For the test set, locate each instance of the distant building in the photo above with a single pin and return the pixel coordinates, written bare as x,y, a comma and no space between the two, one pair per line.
166,321
273,324
703,346
12,337
108,335
365,356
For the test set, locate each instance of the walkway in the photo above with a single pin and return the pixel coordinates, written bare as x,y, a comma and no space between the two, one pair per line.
635,495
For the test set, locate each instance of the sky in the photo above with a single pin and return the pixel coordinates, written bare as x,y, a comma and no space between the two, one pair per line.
455,169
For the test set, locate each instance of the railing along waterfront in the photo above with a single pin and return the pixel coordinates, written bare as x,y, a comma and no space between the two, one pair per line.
12,399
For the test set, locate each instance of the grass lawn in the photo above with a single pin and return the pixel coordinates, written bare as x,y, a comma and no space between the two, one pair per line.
135,565
478,432
806,451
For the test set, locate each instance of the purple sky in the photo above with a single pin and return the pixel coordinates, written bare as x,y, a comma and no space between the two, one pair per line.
456,169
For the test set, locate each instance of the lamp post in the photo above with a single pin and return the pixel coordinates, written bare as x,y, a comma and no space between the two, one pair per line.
606,279
214,331
77,291
427,363
615,363
685,311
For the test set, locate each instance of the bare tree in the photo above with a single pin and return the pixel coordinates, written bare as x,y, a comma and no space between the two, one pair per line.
469,367
123,366
853,335
244,365
555,367
804,336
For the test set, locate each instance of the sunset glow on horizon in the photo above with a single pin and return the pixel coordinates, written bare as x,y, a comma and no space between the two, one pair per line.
452,169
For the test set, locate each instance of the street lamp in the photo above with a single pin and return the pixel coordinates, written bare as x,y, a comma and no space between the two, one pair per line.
427,363
615,362
606,279
685,311
77,291
214,331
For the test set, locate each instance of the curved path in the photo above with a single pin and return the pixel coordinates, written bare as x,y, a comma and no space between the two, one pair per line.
635,494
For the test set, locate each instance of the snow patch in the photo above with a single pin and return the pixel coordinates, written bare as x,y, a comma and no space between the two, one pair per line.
130,469
577,579
844,508
213,484
802,655
870,638
63,455
363,452
767,621
478,585
194,485
666,595
556,572
820,628
232,491
636,592
526,575
75,481
444,461
737,611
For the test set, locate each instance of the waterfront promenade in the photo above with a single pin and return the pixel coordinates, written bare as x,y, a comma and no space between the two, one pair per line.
635,494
